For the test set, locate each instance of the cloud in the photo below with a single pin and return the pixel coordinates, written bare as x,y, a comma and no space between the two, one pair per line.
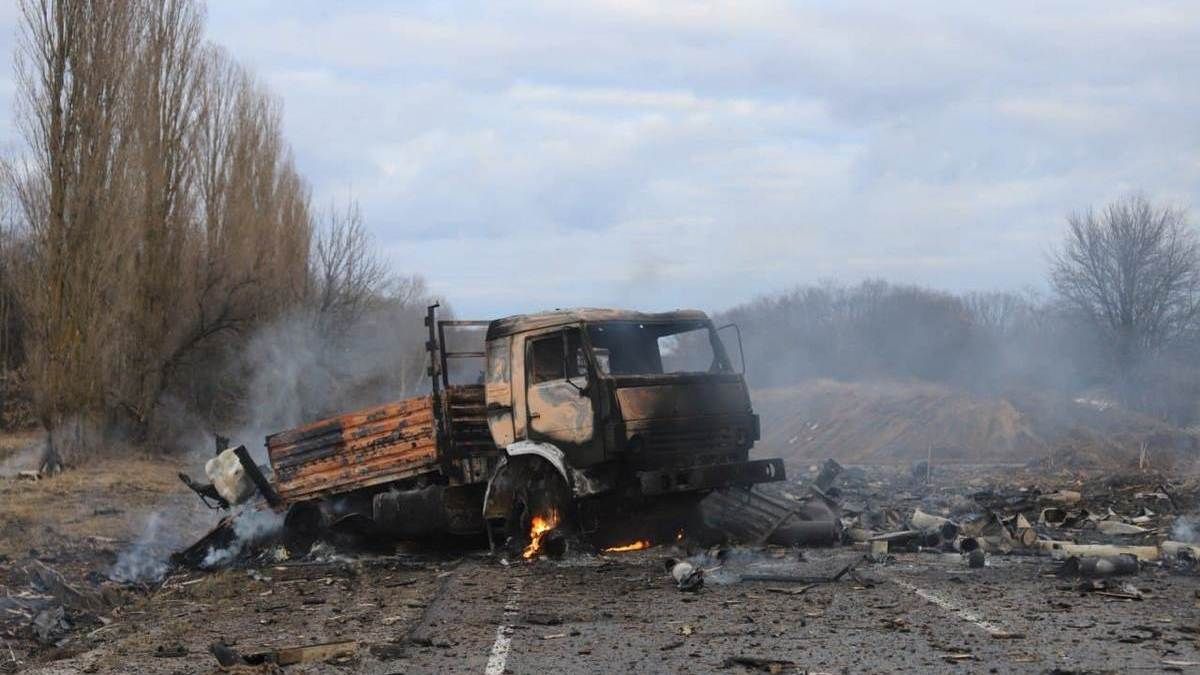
694,154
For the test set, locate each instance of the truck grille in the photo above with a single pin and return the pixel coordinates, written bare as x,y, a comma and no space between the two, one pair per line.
720,443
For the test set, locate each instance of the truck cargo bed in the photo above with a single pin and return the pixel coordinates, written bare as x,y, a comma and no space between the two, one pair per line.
377,445
355,450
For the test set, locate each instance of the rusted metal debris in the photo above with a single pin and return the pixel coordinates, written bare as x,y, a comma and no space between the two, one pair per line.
227,657
849,571
368,447
1100,566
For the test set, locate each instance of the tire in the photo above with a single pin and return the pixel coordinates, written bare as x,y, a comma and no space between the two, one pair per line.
540,491
301,529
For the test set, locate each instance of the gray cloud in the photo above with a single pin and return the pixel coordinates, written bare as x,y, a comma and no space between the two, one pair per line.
563,153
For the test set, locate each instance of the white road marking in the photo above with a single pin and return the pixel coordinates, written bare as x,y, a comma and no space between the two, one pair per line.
948,603
498,658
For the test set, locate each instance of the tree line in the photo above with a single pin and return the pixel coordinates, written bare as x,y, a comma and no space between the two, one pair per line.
163,269
1120,321
154,221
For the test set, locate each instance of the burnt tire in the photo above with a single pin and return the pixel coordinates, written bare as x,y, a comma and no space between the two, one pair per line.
540,491
301,529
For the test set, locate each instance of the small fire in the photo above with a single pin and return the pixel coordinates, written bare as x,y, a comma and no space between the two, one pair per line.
538,528
625,548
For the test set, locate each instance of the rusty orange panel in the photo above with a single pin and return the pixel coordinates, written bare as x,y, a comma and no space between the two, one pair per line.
355,450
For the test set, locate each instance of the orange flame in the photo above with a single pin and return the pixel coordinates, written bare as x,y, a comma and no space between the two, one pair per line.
538,528
625,548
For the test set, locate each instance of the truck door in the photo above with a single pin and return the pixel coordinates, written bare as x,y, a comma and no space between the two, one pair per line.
559,410
498,391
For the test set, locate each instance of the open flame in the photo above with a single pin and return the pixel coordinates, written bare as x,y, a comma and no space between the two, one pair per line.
632,546
538,528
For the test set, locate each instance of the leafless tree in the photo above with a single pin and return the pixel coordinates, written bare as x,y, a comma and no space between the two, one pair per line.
348,275
73,64
1134,270
159,207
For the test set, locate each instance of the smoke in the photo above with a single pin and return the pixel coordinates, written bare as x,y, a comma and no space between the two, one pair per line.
307,366
303,366
23,459
1185,530
165,530
144,561
250,526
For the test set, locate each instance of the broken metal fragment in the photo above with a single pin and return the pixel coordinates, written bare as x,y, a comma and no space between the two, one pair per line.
1117,528
687,576
1063,549
927,522
829,473
1179,549
1093,566
766,665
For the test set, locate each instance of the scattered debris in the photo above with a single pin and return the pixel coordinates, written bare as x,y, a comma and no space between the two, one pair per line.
1107,566
227,657
760,663
687,576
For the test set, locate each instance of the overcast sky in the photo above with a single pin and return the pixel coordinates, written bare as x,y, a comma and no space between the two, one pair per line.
655,156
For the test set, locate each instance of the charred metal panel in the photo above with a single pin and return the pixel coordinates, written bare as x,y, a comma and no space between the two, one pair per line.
531,322
712,440
559,413
689,399
709,477
359,449
498,392
470,453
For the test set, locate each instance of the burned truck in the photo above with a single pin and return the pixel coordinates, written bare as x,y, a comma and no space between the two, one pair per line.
577,420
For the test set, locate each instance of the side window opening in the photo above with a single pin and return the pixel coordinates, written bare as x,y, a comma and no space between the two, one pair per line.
557,357
497,361
546,359
576,358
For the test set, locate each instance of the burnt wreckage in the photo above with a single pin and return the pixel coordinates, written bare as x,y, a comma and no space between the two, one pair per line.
579,418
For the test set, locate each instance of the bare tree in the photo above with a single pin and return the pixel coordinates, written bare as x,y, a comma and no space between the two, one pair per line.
166,77
73,61
160,210
348,275
1134,270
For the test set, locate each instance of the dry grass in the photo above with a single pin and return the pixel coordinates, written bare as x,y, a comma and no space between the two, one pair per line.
105,501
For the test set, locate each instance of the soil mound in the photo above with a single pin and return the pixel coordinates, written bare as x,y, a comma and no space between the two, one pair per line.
899,422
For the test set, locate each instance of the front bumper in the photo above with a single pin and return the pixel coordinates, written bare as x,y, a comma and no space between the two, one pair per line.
710,477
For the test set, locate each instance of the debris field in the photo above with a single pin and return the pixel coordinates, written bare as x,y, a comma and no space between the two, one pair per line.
898,592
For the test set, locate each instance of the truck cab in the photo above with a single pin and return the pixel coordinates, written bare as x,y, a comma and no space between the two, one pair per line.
626,404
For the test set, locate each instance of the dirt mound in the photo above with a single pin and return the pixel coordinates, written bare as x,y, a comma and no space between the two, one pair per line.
893,422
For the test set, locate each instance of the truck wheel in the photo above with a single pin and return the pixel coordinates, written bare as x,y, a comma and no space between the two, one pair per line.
540,493
301,529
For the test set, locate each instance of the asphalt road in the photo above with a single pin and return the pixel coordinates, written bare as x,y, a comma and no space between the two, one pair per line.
924,613
921,612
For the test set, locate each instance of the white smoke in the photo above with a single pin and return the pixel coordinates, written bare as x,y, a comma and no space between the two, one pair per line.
250,526
24,459
1184,530
144,561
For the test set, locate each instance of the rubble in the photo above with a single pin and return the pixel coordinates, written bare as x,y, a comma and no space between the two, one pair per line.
1097,566
687,576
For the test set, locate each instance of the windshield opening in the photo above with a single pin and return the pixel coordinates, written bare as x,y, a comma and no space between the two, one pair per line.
634,348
